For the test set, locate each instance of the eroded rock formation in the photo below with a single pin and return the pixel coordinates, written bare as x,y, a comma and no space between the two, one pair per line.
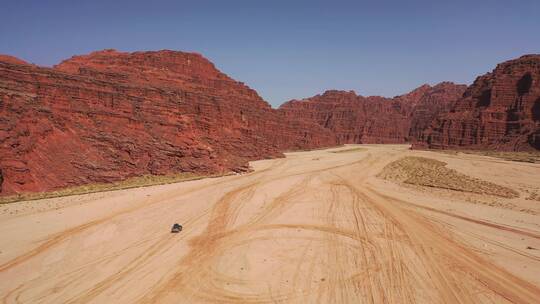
427,102
358,119
499,111
110,115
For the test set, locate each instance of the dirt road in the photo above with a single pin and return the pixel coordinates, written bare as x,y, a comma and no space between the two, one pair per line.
315,227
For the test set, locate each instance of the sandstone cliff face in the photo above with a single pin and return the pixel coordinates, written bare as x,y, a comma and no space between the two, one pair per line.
110,115
501,111
358,119
11,59
428,102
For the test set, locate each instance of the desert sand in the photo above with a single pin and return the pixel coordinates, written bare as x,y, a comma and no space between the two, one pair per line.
314,227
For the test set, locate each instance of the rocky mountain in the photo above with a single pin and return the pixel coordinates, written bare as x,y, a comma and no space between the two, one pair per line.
110,115
426,102
358,119
499,111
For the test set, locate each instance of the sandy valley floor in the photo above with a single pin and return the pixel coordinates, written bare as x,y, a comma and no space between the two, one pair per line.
315,227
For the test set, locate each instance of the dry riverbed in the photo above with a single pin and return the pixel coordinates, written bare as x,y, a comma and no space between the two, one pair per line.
373,224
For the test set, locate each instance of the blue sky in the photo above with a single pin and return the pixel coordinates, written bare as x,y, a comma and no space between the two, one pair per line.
289,49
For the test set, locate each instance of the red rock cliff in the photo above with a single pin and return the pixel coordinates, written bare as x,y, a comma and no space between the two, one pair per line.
500,111
109,115
358,119
427,102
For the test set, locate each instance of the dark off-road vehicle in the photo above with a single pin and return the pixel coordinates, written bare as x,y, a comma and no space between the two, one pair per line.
176,228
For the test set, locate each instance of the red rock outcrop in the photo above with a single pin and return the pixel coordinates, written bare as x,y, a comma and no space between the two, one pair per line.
357,119
11,59
427,102
499,111
110,115
353,118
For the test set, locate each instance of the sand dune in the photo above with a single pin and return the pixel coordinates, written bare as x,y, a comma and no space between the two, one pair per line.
315,227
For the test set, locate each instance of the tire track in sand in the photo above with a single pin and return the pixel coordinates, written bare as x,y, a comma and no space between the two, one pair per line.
453,286
59,237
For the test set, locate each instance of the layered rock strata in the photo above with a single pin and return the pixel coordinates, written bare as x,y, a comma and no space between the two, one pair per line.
110,115
499,111
375,120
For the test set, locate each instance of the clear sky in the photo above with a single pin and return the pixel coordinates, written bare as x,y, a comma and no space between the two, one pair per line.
289,49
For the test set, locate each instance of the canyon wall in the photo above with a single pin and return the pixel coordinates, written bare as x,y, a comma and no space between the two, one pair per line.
109,115
499,111
375,120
